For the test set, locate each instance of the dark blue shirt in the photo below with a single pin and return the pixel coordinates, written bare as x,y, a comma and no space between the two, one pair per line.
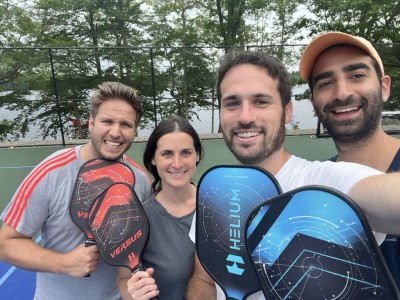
391,245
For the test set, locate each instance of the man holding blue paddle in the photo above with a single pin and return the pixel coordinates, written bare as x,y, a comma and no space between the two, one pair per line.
255,104
41,204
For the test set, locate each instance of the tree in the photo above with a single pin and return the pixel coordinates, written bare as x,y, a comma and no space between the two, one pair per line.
176,44
84,23
182,73
376,21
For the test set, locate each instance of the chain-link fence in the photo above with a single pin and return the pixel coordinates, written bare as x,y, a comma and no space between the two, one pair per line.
44,92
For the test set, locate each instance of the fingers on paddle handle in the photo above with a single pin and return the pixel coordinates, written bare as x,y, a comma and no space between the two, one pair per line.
140,267
89,242
155,298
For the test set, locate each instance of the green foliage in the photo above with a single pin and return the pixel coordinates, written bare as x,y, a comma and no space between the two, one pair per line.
6,128
93,41
376,21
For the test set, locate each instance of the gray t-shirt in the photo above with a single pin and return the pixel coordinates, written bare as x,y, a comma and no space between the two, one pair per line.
169,250
41,204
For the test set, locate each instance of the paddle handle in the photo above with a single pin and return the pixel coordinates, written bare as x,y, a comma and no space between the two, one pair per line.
89,242
140,267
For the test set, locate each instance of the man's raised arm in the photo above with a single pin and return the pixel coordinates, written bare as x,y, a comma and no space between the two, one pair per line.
379,198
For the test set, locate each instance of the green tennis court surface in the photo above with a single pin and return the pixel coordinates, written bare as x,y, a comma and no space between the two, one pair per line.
16,163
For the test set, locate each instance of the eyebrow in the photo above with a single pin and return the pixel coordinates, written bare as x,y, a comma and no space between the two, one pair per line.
345,69
258,95
262,95
357,66
170,150
322,76
230,97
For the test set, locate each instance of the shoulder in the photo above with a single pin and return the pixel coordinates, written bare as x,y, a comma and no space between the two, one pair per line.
298,172
59,160
148,201
315,166
395,165
296,162
136,168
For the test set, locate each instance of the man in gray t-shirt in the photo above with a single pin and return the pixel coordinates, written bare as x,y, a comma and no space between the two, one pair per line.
41,203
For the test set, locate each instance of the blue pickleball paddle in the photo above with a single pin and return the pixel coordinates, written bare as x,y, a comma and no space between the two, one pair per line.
315,243
225,197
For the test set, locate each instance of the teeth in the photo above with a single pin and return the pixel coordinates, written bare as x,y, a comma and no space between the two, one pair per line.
112,143
247,134
176,173
346,109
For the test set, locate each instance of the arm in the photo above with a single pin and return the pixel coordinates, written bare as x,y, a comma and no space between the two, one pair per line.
20,251
201,285
138,286
379,198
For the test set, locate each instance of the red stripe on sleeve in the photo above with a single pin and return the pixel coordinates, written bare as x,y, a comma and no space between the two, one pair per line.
138,166
31,181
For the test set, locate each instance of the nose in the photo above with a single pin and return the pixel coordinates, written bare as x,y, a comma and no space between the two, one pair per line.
246,114
115,130
343,89
177,161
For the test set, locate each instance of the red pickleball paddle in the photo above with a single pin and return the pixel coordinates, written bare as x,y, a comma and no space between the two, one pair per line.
120,227
94,177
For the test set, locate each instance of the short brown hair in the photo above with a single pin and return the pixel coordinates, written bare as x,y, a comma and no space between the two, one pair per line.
273,66
115,90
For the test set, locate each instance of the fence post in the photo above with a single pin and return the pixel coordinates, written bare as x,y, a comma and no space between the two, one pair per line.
153,86
57,99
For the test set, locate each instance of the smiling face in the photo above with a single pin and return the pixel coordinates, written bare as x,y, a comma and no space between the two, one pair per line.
112,130
175,159
252,117
347,96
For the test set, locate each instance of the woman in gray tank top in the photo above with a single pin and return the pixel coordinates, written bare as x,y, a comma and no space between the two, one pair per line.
171,156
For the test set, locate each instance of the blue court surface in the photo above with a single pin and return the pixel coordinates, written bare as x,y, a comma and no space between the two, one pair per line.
16,284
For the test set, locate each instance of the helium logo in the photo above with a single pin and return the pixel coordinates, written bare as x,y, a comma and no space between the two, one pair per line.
234,269
234,234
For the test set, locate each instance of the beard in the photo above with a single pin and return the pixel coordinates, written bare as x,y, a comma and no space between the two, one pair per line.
353,130
254,154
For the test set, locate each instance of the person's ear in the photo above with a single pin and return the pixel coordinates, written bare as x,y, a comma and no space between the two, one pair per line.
90,124
312,99
385,87
288,112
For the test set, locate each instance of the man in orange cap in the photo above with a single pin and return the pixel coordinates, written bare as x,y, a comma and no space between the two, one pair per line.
348,88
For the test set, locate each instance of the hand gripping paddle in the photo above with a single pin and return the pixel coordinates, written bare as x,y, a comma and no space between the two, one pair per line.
315,243
120,227
94,177
225,197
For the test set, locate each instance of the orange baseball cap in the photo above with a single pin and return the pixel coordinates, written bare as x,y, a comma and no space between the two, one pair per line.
326,40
